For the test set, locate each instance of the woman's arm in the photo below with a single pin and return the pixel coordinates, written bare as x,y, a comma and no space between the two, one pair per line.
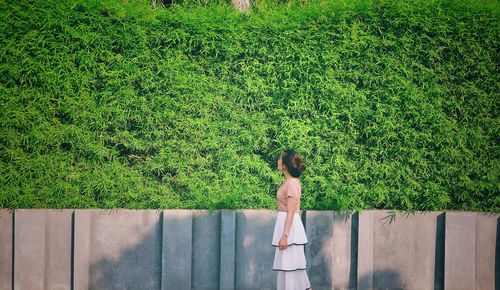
291,204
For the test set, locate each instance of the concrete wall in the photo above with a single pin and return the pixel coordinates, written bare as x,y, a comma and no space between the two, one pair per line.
197,249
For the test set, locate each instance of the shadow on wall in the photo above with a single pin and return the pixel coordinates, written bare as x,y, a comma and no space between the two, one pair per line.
439,252
178,250
136,268
254,254
140,267
384,279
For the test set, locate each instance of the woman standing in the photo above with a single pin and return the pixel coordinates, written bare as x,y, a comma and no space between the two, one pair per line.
289,235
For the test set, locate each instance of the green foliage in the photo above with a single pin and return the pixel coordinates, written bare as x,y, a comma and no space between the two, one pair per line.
118,104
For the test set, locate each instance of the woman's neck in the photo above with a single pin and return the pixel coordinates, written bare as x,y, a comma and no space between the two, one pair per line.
288,176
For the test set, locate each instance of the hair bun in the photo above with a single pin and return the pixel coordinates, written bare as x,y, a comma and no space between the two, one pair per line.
293,162
299,164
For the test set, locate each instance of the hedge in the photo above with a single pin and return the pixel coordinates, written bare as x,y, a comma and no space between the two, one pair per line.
121,104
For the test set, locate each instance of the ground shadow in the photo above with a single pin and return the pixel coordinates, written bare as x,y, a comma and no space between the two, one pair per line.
384,279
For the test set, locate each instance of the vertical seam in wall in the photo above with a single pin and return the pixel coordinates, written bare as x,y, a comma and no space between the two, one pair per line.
234,250
354,246
221,227
161,249
72,251
13,245
443,243
192,234
45,248
220,248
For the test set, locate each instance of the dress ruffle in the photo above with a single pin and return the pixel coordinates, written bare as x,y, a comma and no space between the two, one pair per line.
290,263
297,234
296,280
292,258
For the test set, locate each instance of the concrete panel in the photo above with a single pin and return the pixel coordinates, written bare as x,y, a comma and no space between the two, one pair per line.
58,227
6,217
320,249
254,251
206,250
365,249
345,248
486,227
404,247
460,245
81,250
177,249
228,248
42,257
332,249
119,249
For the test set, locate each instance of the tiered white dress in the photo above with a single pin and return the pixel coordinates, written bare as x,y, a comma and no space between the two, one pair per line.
290,263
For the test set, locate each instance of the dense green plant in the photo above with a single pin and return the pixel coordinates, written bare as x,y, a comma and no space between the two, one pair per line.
118,104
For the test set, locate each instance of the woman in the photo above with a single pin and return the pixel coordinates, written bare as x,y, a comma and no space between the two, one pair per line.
289,235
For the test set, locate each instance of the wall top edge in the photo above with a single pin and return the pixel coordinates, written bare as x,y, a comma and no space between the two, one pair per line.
451,212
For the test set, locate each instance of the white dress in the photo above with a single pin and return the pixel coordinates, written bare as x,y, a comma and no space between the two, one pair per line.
290,263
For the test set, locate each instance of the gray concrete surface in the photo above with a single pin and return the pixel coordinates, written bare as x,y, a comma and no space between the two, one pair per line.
42,249
254,252
332,249
118,249
460,248
227,249
177,249
231,249
470,250
365,250
319,249
403,249
206,249
486,242
6,239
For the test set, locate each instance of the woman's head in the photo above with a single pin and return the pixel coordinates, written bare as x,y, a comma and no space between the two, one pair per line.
291,161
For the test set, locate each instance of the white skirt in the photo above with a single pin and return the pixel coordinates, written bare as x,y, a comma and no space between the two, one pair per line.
290,263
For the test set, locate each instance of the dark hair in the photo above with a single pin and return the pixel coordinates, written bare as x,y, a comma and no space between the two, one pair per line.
293,162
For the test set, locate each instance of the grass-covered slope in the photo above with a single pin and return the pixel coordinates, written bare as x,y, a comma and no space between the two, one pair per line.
393,104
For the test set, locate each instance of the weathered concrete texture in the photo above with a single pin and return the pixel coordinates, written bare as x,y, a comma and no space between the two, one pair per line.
469,247
254,250
117,249
177,249
459,250
345,250
206,249
227,250
81,249
42,250
365,250
6,249
402,251
486,226
332,249
319,249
